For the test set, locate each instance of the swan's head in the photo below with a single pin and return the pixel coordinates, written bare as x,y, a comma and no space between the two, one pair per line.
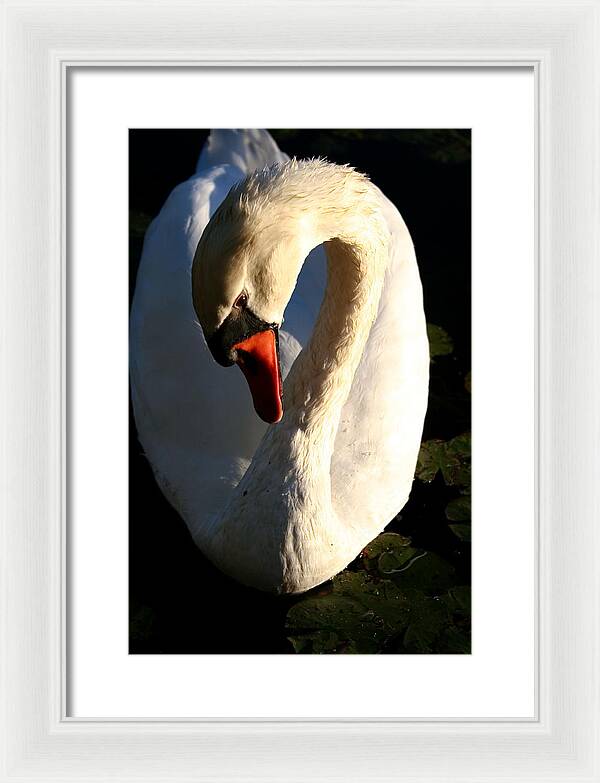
244,272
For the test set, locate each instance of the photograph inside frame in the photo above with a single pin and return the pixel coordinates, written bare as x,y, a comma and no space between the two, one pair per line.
315,498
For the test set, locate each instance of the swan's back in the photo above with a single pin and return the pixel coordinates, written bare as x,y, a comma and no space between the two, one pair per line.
380,430
246,150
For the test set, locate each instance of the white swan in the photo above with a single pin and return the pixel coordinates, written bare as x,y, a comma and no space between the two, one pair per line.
281,507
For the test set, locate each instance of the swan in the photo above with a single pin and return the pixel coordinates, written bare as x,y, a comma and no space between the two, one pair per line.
303,274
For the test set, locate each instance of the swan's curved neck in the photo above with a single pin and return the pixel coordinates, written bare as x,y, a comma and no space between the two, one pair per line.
317,204
302,205
319,383
281,514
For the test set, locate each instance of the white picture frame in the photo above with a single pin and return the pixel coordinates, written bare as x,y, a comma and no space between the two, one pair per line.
40,42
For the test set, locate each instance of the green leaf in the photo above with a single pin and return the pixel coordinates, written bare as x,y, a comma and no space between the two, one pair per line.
387,552
459,509
333,623
460,445
408,612
319,641
458,600
142,624
454,640
456,465
428,618
384,543
378,596
456,637
358,617
461,531
365,614
440,342
431,457
138,223
428,572
452,458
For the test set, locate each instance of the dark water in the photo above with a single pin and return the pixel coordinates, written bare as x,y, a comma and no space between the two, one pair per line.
179,603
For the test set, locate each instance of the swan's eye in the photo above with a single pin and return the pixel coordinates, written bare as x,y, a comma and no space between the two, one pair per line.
241,301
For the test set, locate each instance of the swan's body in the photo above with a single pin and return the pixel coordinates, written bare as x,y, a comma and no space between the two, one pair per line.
283,507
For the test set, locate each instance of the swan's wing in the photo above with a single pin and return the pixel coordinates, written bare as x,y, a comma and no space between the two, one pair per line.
182,403
380,430
247,150
195,419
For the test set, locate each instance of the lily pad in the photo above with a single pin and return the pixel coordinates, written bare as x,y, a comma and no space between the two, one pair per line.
378,596
333,623
388,552
428,572
452,458
428,618
138,223
142,623
440,342
459,509
456,636
366,614
458,600
454,640
461,531
431,456
384,542
358,617
456,468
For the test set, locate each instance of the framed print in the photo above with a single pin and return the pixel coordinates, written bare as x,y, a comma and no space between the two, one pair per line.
97,97
497,108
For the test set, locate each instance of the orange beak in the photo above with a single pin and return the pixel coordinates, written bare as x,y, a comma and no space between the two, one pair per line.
258,359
